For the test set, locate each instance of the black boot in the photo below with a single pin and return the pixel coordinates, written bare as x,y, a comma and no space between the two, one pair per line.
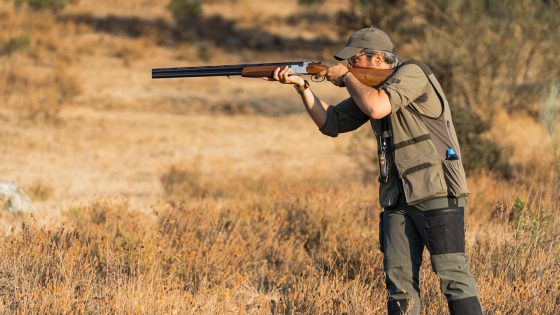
466,306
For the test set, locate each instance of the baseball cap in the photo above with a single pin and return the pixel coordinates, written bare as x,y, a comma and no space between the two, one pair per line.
371,37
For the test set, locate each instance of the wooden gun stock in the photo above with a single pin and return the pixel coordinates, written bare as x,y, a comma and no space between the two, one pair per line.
371,77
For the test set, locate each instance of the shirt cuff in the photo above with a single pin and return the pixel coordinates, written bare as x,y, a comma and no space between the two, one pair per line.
329,128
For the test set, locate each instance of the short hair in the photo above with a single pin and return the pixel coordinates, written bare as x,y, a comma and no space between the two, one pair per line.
389,57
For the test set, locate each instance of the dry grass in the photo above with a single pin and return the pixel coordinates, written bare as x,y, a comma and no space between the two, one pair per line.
261,245
172,197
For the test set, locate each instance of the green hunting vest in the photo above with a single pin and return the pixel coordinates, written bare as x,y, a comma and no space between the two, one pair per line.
420,170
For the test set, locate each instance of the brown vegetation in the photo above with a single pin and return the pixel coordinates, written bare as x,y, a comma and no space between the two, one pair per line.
213,196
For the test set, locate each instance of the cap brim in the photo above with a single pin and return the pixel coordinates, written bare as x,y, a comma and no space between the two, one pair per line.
347,52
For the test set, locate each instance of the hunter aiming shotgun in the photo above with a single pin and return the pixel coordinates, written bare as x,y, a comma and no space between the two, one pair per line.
317,70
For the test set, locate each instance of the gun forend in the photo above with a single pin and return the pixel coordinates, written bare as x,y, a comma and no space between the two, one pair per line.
305,67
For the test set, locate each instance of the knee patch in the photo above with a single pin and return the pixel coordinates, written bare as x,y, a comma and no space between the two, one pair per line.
445,231
467,306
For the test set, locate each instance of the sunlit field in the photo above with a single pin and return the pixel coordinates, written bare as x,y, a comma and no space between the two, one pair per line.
220,196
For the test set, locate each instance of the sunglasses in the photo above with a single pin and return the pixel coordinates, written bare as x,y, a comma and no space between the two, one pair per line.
354,59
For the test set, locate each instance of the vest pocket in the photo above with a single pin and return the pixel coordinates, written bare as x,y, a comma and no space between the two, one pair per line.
422,178
455,178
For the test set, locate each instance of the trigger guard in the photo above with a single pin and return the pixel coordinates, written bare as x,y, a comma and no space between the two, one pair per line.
317,78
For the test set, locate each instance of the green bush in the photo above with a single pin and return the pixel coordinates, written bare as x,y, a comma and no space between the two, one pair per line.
186,181
185,11
54,5
310,2
478,153
16,43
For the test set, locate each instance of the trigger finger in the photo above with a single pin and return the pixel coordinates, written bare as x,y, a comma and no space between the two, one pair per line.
286,73
275,74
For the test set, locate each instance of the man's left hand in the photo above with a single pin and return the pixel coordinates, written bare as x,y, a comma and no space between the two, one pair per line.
335,74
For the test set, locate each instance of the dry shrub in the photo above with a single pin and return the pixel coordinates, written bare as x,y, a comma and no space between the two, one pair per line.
185,11
57,92
183,180
36,81
15,44
40,191
273,241
39,97
274,246
522,256
129,51
184,105
233,107
550,116
68,269
479,151
55,5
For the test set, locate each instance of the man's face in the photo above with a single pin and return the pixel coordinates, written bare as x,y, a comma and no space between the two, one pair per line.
362,60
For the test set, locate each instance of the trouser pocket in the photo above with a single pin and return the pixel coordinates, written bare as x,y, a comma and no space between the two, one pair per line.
445,231
381,243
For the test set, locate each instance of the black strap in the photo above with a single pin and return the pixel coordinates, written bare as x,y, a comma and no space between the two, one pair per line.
405,143
386,134
420,64
428,72
386,127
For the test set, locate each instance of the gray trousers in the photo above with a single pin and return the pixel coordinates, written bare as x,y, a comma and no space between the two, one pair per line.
404,231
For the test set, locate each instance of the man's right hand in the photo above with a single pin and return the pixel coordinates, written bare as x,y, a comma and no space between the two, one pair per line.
335,74
283,75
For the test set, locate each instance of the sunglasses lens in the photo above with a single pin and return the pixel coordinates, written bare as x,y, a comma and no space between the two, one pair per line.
354,59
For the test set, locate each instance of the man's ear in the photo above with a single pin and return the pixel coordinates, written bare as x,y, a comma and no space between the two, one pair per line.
378,59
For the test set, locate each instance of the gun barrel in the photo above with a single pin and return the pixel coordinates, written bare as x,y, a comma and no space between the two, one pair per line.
209,71
191,74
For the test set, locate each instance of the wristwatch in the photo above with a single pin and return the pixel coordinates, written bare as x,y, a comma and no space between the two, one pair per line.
301,88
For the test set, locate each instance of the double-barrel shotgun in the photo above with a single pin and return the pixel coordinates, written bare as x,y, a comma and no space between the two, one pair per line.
317,70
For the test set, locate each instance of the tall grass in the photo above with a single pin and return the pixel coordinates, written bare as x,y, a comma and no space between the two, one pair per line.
272,246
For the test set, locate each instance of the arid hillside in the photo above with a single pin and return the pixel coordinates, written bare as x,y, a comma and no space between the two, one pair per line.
219,195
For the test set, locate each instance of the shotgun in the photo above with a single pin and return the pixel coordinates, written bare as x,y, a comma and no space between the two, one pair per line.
317,70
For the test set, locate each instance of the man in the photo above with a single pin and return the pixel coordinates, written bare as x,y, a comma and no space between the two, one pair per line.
422,182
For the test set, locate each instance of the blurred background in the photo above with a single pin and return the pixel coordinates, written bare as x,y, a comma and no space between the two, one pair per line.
217,195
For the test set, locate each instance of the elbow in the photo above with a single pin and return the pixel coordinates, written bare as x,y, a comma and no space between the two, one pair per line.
378,112
379,107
